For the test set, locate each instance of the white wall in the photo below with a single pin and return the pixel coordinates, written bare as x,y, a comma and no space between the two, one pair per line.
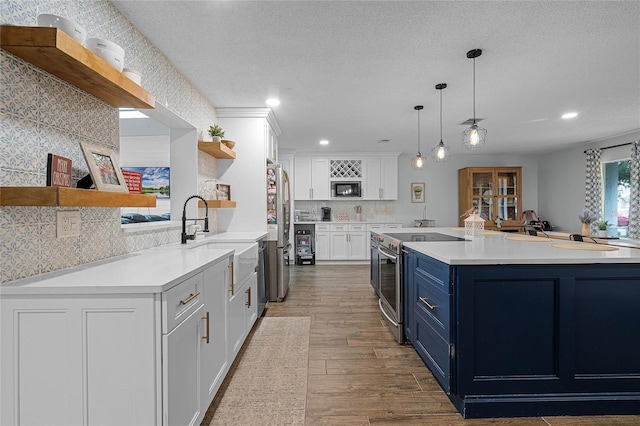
247,175
562,182
441,181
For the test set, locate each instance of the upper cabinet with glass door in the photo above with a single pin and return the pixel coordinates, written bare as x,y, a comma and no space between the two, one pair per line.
495,192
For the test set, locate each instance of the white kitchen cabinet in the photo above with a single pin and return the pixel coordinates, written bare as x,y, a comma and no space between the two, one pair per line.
72,358
181,364
213,344
271,151
381,178
348,242
358,244
323,244
311,178
243,309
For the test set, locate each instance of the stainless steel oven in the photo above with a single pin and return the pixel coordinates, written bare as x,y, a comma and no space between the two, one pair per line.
390,281
390,274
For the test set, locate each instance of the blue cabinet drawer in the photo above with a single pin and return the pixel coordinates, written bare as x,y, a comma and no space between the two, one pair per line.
434,351
432,305
434,271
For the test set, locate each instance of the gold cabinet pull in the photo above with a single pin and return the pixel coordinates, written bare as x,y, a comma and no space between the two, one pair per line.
206,317
190,298
430,306
232,280
248,303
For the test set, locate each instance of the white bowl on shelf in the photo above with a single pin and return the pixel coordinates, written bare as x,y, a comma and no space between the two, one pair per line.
107,50
132,74
74,30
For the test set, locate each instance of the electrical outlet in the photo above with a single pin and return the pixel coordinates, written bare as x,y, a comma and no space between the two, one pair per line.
68,223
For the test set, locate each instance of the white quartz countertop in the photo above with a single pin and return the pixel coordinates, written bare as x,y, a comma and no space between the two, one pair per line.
343,222
238,237
150,271
499,248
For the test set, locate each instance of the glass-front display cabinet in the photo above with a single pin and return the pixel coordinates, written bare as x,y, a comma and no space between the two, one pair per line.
495,193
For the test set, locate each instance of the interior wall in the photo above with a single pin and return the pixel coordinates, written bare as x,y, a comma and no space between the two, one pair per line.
562,182
41,113
441,184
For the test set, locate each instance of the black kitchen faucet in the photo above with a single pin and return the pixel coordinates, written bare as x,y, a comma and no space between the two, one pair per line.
184,236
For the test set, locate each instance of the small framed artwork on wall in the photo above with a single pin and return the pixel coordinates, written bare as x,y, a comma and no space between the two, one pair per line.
103,168
417,192
224,192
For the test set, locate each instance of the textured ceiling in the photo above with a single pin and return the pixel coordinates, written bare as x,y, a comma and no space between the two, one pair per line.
352,71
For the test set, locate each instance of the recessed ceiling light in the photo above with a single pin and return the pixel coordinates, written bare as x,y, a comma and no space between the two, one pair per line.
569,115
324,142
273,102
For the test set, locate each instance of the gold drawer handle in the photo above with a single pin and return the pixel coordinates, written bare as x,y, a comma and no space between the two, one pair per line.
430,306
233,290
248,302
206,317
190,298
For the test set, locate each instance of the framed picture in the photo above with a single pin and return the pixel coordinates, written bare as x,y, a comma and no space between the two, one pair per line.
104,169
417,192
155,180
224,191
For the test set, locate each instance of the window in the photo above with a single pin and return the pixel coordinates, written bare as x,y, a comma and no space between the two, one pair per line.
616,181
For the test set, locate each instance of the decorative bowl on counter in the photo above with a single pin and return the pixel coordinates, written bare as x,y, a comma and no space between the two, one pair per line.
74,30
107,50
132,74
228,143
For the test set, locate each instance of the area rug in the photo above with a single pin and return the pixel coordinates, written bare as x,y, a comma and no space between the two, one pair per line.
269,384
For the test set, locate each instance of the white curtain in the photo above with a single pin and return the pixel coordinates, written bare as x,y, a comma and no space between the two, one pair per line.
593,183
634,195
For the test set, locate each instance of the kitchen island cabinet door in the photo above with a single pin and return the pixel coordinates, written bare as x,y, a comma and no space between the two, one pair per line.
71,360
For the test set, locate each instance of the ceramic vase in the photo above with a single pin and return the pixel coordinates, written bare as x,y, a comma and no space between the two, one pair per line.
602,233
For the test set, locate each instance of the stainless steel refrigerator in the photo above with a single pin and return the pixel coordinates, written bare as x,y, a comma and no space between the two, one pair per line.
278,225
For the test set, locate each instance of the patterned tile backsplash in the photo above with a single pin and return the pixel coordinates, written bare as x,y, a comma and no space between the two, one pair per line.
371,211
39,113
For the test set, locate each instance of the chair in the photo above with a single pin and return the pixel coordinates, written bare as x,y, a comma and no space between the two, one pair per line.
578,237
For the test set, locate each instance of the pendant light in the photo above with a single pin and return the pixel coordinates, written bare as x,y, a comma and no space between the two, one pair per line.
418,162
474,137
440,153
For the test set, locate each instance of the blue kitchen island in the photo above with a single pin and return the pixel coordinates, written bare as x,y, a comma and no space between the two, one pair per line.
513,325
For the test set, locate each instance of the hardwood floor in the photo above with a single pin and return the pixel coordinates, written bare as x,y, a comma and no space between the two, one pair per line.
359,375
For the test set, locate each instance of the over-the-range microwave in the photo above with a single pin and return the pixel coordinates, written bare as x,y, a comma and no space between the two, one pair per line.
346,189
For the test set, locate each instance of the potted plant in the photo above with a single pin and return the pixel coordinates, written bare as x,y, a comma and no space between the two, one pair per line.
216,133
602,226
586,218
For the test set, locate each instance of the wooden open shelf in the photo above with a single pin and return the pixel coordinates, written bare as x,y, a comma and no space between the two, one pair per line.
71,197
58,53
217,150
218,204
